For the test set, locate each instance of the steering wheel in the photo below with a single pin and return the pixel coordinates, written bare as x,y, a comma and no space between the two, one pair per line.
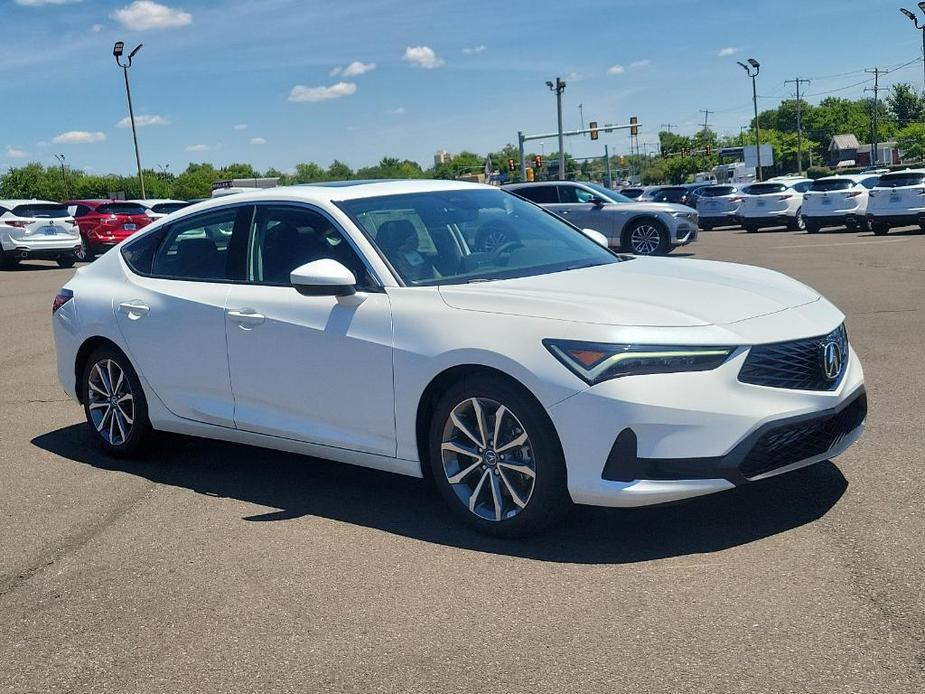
505,247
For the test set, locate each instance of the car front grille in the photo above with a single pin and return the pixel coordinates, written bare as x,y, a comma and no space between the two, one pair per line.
793,443
798,365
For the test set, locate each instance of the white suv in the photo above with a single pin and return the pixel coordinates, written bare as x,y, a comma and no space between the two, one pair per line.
37,229
775,203
837,201
898,200
718,206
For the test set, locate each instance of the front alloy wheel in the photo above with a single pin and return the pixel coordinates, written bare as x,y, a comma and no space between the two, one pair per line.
488,459
647,238
114,403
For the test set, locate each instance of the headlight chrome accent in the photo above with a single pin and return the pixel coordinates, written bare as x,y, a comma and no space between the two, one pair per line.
594,362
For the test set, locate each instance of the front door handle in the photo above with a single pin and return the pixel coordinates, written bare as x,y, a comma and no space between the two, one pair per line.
247,318
135,309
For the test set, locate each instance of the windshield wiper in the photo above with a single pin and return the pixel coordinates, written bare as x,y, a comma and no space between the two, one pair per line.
482,279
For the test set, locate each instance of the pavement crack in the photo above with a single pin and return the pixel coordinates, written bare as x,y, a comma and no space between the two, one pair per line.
74,542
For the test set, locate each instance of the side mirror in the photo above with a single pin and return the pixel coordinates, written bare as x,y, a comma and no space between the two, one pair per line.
599,202
596,236
323,277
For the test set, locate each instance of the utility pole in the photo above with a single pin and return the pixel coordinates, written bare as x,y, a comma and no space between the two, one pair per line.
581,115
67,191
799,81
706,117
117,54
667,127
607,172
875,135
558,88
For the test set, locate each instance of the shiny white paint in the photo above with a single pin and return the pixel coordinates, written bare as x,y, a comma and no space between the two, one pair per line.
903,201
35,233
851,202
342,378
785,205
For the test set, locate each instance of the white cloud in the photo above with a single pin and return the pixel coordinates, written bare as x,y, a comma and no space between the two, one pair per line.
723,52
198,148
616,70
356,68
78,137
335,91
96,28
258,141
146,14
335,71
640,63
423,57
141,121
39,3
475,49
241,126
398,111
16,153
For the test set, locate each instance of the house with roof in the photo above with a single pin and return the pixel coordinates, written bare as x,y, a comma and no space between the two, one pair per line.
843,151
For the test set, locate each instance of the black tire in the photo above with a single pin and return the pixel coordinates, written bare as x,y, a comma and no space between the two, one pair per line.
547,498
139,433
640,227
706,227
67,261
7,261
797,223
880,229
85,253
812,228
750,228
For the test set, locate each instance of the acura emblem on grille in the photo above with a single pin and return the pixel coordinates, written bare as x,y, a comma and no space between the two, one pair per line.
832,360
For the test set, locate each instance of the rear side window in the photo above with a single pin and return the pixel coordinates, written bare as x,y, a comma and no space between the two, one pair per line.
168,207
197,248
831,184
41,210
765,188
717,191
139,253
870,182
898,180
538,194
120,208
802,187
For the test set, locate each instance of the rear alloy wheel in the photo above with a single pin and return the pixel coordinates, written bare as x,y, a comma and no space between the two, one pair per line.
495,459
84,254
648,237
797,223
66,261
114,403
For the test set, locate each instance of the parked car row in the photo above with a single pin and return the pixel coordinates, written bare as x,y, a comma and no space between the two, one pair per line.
73,230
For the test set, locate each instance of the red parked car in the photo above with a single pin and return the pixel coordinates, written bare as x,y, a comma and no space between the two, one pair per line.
104,223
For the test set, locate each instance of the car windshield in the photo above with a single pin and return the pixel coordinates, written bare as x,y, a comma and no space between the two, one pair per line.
898,180
608,194
168,207
41,210
831,184
121,208
765,188
717,191
460,236
631,193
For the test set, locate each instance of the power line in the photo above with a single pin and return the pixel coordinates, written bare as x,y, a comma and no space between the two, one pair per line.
876,90
706,117
797,82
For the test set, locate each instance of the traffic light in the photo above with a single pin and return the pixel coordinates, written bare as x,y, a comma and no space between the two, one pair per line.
538,161
510,164
622,160
709,150
531,177
593,126
634,129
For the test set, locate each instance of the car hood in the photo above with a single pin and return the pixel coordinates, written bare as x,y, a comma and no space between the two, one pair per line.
643,206
650,292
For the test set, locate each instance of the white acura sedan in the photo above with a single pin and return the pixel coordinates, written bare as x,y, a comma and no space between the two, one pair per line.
362,323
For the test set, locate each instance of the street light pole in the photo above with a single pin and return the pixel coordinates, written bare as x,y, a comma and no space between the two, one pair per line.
117,54
753,64
558,88
61,159
920,27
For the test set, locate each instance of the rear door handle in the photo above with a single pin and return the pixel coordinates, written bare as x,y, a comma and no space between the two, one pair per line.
135,309
247,318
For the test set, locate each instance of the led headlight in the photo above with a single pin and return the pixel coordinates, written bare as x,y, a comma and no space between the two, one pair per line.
594,362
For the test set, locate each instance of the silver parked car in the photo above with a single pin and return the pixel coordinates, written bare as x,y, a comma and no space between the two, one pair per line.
643,228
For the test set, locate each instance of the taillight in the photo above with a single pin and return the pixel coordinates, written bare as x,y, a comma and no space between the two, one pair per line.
853,193
784,197
19,223
61,298
112,220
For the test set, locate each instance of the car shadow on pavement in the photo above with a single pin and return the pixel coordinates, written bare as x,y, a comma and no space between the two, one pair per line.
295,486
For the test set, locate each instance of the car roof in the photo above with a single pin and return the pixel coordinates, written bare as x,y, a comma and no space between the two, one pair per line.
33,201
92,202
851,177
155,201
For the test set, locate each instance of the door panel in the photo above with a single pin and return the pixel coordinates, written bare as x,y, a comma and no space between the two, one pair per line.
311,368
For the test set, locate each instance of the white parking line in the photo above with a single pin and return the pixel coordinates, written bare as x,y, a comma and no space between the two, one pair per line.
830,245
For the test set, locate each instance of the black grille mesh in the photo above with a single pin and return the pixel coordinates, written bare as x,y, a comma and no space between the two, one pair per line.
797,365
795,442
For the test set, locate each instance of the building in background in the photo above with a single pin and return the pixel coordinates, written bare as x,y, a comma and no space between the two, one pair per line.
441,156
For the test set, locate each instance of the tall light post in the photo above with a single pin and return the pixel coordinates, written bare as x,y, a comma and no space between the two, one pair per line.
558,88
117,54
920,27
61,159
752,69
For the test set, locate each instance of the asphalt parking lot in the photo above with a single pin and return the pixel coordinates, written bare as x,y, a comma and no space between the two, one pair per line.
215,567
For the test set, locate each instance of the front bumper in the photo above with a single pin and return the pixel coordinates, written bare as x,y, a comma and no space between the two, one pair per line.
684,234
697,433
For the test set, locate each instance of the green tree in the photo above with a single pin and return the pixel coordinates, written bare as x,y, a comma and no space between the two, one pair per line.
904,105
911,141
339,171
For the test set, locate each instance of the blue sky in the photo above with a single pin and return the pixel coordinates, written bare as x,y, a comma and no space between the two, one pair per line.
257,80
